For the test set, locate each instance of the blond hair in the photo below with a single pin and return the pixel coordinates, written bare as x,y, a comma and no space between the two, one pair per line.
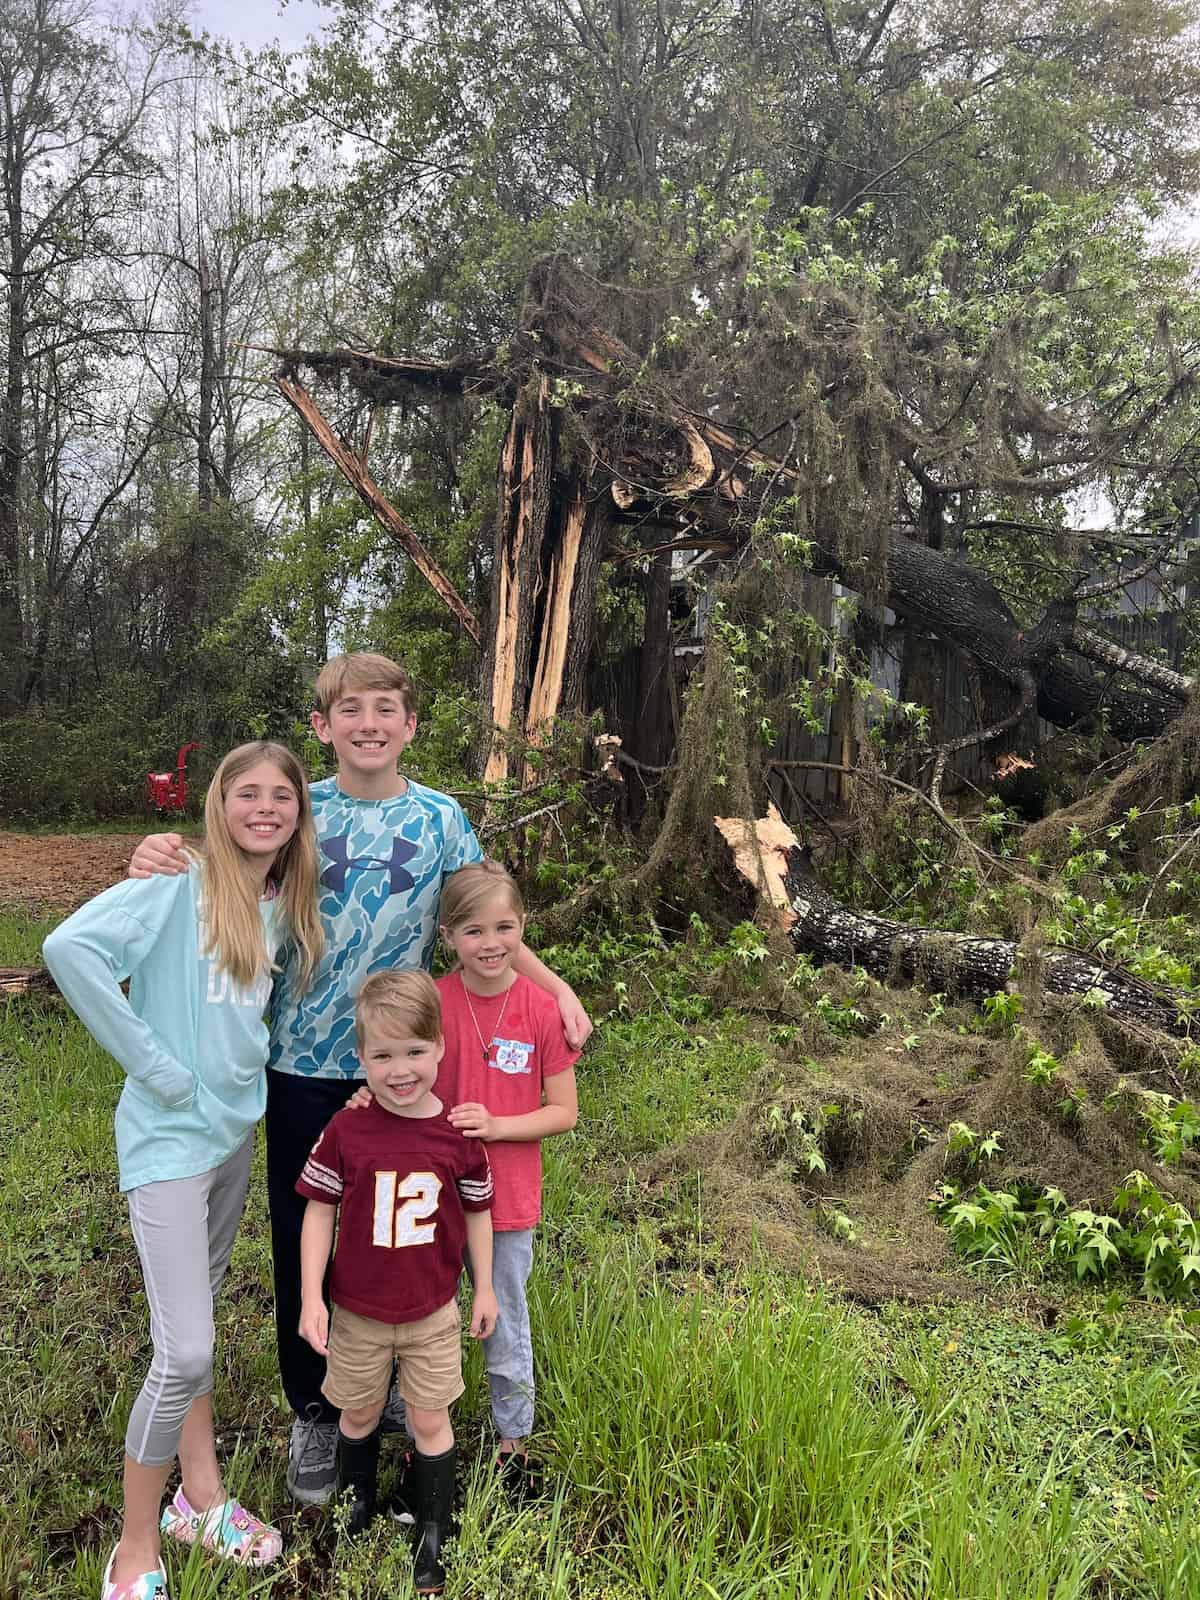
342,675
234,927
471,887
403,1004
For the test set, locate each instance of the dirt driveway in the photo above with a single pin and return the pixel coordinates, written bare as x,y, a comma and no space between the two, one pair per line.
59,871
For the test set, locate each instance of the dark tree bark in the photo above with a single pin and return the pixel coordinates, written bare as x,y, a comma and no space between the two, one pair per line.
962,965
654,739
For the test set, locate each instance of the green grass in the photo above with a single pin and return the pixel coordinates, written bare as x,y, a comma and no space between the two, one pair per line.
21,938
712,1432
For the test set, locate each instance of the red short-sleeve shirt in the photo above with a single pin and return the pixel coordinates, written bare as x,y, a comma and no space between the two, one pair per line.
404,1185
524,1044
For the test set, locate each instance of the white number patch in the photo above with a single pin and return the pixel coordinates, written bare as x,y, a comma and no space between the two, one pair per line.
400,1208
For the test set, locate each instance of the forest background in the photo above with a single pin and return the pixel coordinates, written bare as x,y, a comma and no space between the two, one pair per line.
916,283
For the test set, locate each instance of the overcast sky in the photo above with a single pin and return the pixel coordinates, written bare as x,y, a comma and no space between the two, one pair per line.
258,22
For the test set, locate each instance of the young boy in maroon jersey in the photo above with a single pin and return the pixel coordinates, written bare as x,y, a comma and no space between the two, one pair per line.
403,1180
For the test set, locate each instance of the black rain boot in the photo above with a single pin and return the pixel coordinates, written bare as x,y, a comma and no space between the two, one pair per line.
357,1470
433,1492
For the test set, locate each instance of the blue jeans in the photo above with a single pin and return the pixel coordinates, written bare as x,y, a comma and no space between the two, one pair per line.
509,1351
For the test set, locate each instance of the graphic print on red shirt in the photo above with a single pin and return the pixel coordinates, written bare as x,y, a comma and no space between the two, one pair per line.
525,1045
403,1185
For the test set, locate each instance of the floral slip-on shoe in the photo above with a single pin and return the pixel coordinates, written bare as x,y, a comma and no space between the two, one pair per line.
149,1586
228,1529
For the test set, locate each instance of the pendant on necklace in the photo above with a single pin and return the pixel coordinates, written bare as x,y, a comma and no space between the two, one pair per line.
486,1048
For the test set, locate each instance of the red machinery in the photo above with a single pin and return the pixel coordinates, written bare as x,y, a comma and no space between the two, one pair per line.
167,791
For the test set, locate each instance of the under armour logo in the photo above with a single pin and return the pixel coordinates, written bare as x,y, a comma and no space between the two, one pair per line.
334,875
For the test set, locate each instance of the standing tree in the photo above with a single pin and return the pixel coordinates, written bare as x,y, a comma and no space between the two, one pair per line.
73,108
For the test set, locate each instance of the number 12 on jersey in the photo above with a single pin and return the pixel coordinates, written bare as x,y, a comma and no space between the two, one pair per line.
400,1209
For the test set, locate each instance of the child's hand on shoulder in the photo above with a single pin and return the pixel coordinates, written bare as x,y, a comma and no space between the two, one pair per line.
360,1099
485,1313
472,1119
314,1325
159,854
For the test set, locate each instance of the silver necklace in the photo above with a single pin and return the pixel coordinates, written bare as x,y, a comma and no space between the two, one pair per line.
485,1046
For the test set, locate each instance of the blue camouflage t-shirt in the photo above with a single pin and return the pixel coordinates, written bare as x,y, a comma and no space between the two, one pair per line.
383,863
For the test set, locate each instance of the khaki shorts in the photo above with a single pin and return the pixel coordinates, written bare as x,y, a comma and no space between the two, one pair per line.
361,1352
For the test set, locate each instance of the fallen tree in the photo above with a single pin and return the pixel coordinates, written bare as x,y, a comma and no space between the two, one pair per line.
960,965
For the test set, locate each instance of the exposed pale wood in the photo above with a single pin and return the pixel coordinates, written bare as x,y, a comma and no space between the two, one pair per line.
514,531
699,470
373,497
761,858
546,694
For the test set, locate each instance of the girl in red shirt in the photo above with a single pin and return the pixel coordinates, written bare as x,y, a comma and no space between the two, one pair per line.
508,1076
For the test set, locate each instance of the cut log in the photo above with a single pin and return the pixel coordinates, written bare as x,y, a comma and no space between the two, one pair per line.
961,965
15,981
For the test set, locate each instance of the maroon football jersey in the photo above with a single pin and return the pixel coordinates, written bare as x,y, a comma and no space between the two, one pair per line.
403,1185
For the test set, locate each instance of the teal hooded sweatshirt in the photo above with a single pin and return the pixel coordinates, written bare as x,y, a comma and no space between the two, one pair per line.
192,1042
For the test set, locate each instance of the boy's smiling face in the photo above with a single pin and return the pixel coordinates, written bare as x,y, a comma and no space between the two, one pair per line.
369,730
401,1070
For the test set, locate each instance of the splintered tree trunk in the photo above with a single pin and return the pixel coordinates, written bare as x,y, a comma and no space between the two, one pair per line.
522,513
571,562
549,542
958,964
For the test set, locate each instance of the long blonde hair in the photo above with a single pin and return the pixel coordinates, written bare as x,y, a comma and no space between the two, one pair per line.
235,935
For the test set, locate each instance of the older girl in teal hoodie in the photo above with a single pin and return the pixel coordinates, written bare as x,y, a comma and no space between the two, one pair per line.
198,951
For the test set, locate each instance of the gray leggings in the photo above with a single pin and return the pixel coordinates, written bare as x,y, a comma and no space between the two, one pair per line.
184,1230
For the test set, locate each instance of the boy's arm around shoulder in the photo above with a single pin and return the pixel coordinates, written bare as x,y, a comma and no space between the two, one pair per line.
95,950
158,855
576,1024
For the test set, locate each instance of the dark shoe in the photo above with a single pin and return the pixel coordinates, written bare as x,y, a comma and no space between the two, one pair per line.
403,1508
433,1493
394,1418
312,1461
520,1477
358,1470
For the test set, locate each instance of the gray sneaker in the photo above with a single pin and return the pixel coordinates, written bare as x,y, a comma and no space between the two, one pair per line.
312,1461
394,1419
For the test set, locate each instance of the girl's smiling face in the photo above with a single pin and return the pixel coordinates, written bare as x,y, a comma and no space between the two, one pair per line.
487,942
261,811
